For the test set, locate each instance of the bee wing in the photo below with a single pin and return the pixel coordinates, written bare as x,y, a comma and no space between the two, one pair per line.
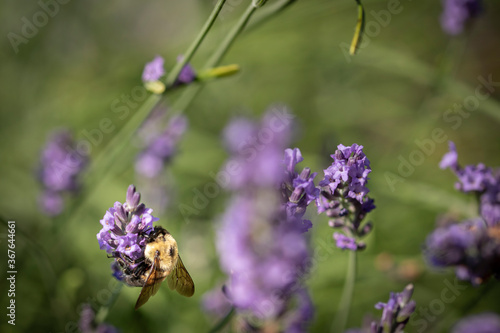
180,280
152,284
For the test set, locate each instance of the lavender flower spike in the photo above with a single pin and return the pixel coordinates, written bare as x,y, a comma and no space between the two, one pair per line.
395,313
344,195
259,237
483,181
124,231
470,247
60,166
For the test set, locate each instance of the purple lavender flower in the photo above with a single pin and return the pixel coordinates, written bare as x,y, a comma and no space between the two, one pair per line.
187,74
484,182
87,323
60,167
456,13
153,70
257,151
480,323
395,313
471,247
298,190
124,231
343,195
151,162
258,240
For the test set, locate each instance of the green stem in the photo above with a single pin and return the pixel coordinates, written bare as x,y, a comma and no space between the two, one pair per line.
194,46
223,322
104,310
192,91
345,302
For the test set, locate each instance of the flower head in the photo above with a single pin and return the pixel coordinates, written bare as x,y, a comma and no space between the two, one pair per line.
153,70
60,167
344,195
456,13
470,247
124,231
480,180
259,238
395,313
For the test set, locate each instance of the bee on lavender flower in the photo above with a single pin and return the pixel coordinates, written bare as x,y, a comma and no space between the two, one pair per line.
161,261
144,256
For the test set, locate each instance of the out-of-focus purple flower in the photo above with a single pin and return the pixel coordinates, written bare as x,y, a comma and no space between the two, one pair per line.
154,70
343,195
60,167
480,180
87,322
258,239
124,231
395,313
344,242
470,247
298,190
187,74
257,150
51,202
456,13
151,162
480,323
256,244
298,321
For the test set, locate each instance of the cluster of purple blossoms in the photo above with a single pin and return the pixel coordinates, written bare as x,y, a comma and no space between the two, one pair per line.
87,323
480,180
154,71
344,195
473,246
160,149
395,314
262,246
481,323
60,166
125,228
456,13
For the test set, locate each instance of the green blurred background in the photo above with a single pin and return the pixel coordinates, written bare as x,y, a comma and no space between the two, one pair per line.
393,93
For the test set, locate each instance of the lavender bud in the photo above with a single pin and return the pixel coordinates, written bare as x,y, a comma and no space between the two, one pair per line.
405,295
366,229
406,311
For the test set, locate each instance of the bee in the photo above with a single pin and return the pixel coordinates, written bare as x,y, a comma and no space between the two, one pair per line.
161,261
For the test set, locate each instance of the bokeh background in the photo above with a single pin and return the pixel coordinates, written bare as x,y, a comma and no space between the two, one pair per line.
394,93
